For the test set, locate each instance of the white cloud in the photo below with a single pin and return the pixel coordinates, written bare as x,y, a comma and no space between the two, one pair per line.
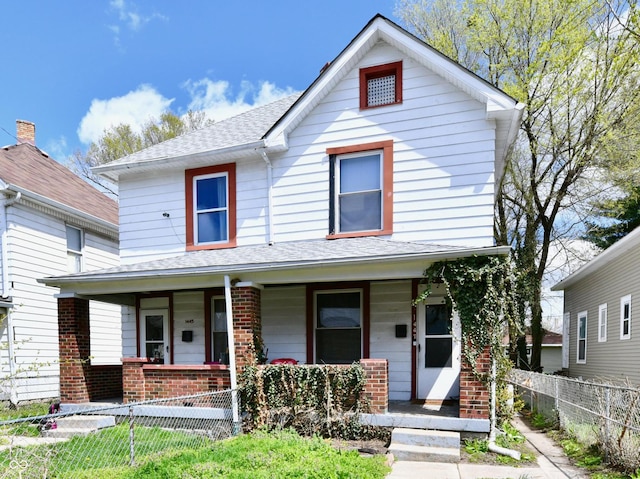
130,17
217,100
135,108
56,148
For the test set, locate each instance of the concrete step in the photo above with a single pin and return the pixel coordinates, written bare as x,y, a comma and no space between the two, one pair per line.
70,426
407,452
421,437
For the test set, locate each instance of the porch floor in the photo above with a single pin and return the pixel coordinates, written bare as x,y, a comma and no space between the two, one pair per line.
447,409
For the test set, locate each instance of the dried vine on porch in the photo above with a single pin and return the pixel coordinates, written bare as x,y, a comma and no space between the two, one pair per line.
480,289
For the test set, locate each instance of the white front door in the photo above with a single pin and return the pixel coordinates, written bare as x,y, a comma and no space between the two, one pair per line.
154,335
438,352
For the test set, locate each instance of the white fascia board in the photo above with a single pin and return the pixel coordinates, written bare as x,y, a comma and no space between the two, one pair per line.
68,210
632,240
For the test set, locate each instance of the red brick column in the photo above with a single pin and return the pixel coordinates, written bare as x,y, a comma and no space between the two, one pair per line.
246,321
474,394
133,383
376,389
75,348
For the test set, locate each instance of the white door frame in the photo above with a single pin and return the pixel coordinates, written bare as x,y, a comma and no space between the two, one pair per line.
437,383
164,356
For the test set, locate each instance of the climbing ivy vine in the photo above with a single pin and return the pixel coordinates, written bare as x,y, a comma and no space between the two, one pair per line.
481,290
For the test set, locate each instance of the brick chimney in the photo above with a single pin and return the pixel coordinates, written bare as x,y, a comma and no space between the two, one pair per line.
26,132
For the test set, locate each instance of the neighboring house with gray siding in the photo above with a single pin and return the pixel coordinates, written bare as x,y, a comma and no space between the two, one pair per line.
601,314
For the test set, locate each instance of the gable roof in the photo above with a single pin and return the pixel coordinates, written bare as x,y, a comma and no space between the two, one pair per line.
29,171
267,127
621,247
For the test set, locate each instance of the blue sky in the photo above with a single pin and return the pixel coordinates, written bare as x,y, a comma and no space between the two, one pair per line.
74,67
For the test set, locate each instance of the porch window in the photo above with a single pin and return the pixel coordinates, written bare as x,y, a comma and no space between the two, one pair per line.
210,206
581,356
381,85
625,317
338,326
361,190
74,249
219,340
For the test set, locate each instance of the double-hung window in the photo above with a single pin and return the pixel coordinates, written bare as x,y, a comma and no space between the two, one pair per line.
219,340
211,209
625,317
338,326
75,242
581,356
602,323
361,189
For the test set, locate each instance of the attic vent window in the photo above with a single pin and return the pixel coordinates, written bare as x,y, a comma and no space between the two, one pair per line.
381,85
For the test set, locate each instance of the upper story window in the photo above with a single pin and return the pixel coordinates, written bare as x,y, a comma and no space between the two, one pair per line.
361,190
75,244
625,317
381,85
211,208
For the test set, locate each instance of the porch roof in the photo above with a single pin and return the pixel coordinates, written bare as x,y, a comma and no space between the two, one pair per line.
319,260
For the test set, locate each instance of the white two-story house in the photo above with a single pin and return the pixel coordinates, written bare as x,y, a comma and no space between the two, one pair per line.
317,215
51,223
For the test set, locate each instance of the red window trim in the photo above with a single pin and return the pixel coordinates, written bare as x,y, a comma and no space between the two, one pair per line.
208,294
189,175
387,185
366,313
379,71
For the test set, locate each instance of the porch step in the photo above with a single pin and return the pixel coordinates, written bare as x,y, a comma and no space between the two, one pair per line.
78,425
425,445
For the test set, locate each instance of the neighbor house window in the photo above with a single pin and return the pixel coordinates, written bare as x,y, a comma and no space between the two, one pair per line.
210,207
602,323
582,338
219,341
625,317
361,189
75,243
381,85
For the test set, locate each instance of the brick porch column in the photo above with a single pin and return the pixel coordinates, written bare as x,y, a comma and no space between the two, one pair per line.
474,394
133,383
376,388
75,347
246,319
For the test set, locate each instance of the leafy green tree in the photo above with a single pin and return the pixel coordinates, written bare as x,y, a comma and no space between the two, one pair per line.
121,140
575,70
617,218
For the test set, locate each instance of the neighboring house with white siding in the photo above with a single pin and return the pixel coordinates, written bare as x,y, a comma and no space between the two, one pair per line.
315,216
601,314
51,222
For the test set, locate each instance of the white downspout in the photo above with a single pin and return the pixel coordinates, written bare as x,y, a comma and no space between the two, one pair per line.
270,196
493,447
7,290
232,356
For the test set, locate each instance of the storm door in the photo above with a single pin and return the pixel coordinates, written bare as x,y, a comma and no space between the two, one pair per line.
438,352
154,335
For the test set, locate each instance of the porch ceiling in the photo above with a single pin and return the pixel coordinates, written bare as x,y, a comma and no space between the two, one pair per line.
347,259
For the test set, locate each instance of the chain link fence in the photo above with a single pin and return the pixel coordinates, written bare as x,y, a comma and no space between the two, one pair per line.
603,414
80,440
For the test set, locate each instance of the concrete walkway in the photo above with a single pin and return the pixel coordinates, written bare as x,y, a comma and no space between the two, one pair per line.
552,464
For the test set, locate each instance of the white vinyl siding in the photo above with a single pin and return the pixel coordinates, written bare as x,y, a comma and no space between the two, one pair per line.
581,351
443,171
37,247
188,315
602,323
625,317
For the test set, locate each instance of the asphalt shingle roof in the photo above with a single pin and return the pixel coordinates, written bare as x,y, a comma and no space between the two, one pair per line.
28,168
241,129
279,254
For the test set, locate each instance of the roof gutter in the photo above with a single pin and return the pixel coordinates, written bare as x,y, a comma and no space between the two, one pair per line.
111,228
104,170
269,267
